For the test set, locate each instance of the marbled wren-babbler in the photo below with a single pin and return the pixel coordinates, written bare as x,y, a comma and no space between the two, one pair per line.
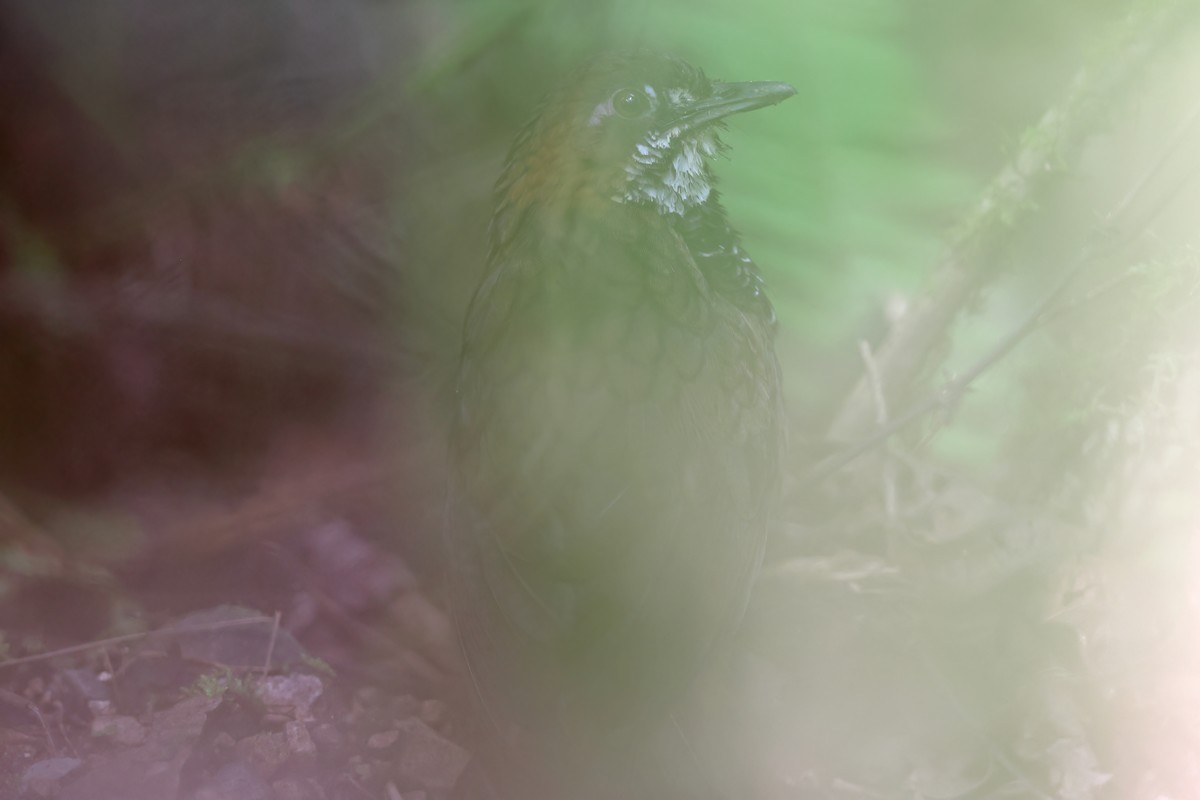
617,439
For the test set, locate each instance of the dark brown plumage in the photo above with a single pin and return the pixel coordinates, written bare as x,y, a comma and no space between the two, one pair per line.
617,440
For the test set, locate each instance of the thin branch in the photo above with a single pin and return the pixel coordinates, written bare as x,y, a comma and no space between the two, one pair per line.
946,397
972,257
266,667
881,418
104,644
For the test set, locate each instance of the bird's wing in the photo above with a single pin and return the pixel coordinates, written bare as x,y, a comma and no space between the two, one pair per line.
614,451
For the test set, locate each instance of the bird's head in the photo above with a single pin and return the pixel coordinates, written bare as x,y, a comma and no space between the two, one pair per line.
626,129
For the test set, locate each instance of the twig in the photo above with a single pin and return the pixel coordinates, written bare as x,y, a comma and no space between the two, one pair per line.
104,644
1173,145
266,668
971,260
948,395
1048,307
881,418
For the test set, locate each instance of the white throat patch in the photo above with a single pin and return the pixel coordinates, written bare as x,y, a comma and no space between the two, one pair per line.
684,183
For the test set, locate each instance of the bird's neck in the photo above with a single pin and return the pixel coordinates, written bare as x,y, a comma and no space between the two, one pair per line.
717,250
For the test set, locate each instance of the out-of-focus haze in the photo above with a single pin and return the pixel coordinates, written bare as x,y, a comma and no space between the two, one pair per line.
229,227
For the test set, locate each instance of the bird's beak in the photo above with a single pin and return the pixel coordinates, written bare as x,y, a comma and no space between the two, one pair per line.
732,98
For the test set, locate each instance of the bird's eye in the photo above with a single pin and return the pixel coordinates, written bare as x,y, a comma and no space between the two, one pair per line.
630,103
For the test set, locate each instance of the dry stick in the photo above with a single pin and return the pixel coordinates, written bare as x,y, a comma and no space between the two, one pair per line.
1047,308
1113,218
266,667
133,637
971,260
951,392
62,731
881,419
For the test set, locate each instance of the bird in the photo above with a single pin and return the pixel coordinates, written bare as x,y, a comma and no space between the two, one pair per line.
617,434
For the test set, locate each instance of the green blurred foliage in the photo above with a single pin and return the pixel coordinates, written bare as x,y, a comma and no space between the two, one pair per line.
844,194
832,191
